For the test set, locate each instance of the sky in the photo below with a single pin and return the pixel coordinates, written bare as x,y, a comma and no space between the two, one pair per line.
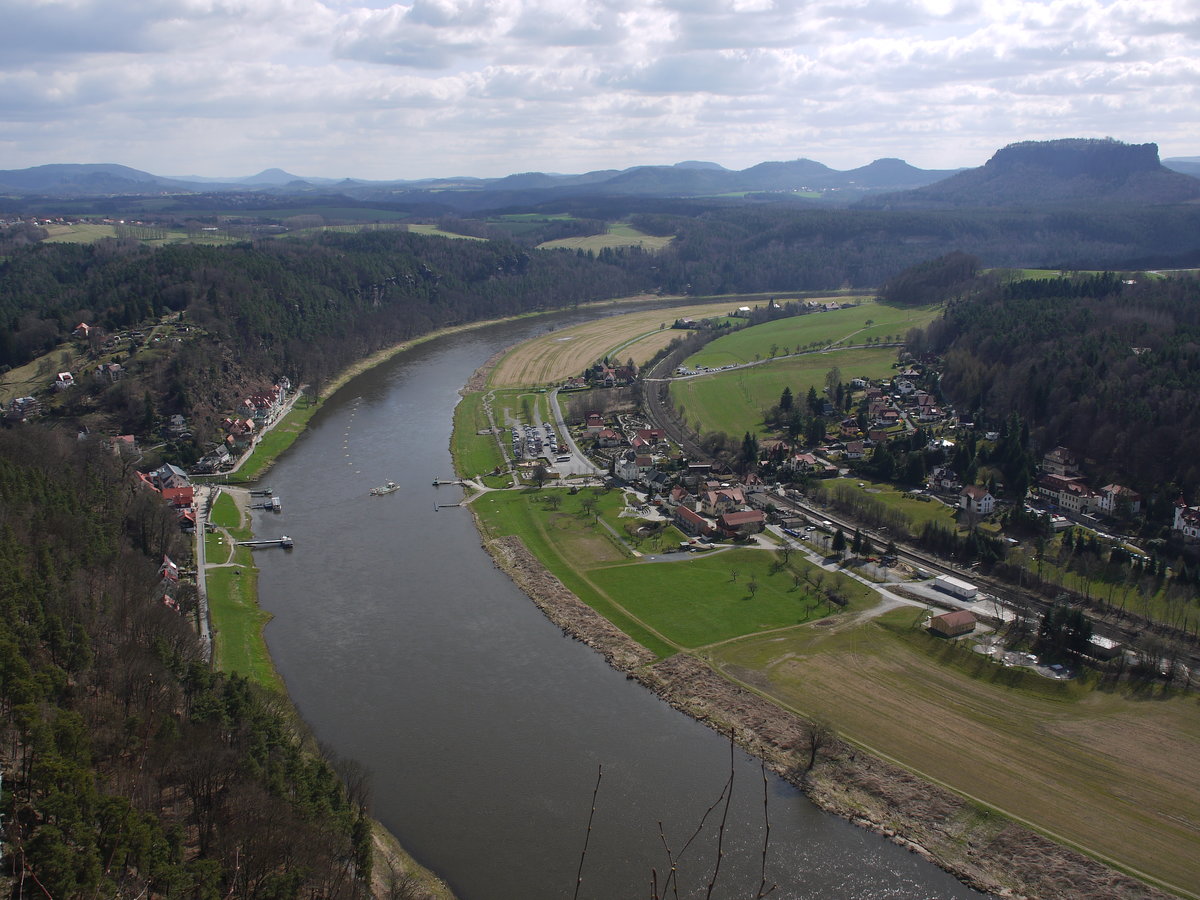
427,88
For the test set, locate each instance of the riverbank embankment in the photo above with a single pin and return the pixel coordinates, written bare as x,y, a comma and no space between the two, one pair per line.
987,851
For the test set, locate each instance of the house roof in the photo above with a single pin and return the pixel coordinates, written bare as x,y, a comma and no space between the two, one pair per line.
954,619
742,517
975,491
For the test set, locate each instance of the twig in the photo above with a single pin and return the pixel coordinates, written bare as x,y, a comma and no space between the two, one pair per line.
695,834
671,877
588,836
712,882
763,890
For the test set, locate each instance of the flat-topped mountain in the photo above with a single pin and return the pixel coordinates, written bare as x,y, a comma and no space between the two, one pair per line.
1035,174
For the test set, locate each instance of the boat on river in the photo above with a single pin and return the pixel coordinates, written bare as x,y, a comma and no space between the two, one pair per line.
385,489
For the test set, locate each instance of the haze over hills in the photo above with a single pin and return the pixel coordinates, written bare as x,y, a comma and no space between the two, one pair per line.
1027,175
690,178
1037,174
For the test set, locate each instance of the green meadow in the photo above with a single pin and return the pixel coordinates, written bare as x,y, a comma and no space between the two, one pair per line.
619,234
866,322
693,600
733,401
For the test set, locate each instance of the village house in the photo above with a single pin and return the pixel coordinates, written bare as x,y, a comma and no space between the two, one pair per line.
976,500
680,496
1187,521
742,523
22,408
168,476
953,624
878,435
609,437
63,381
1070,492
180,497
124,445
848,428
690,522
633,468
855,450
1060,461
110,372
1114,496
811,464
169,570
593,424
82,330
943,478
722,500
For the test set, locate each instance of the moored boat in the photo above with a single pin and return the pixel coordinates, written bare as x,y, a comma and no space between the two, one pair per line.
385,488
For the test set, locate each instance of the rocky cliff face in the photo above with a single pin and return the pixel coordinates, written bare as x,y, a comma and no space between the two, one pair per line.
1035,174
1075,157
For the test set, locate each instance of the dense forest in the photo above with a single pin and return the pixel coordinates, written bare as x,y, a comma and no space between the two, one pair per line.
132,769
1106,366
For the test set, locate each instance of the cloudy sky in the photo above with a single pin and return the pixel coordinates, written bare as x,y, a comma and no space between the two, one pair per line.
372,89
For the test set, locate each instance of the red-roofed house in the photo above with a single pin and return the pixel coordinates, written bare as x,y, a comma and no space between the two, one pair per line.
1187,520
952,624
609,438
690,522
168,570
180,497
742,523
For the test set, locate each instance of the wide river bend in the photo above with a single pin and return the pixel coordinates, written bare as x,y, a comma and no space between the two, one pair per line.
482,726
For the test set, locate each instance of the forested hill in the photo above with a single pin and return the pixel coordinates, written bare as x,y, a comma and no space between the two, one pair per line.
1107,368
131,769
301,308
305,307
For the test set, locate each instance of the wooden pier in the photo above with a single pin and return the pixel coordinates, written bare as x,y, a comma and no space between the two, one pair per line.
274,504
438,482
261,492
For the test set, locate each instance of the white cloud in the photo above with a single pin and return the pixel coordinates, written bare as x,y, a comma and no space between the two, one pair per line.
426,87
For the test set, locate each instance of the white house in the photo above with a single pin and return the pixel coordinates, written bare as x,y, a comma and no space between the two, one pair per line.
1187,520
1113,495
977,500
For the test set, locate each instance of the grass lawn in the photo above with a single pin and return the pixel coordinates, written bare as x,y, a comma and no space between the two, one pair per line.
734,401
238,624
619,234
853,325
225,513
1111,772
79,233
473,453
433,230
666,606
892,497
709,598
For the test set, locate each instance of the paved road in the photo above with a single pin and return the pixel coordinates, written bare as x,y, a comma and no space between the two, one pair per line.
201,507
579,464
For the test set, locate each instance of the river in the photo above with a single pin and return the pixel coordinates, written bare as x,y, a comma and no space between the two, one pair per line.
482,726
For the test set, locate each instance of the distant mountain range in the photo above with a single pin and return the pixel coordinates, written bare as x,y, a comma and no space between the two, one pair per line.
1025,174
686,179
